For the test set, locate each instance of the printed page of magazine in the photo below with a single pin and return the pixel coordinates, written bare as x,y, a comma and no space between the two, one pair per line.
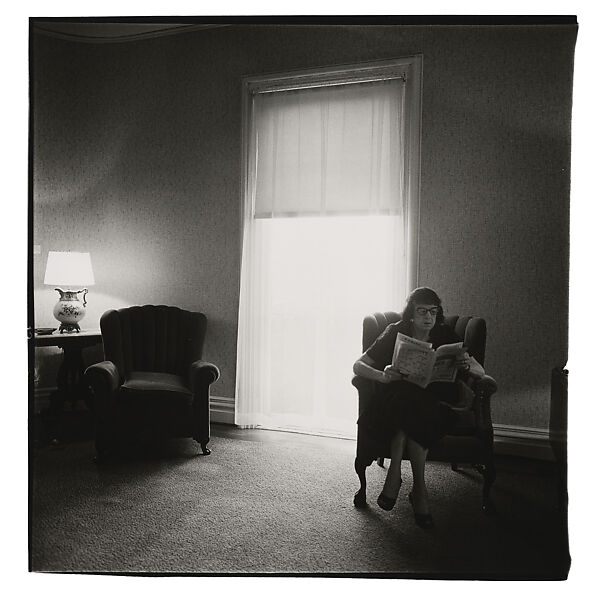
444,367
414,358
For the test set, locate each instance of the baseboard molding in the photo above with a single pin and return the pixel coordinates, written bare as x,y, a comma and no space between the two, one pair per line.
529,442
222,410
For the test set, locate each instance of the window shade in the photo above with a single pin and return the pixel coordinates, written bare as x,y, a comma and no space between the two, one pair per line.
330,150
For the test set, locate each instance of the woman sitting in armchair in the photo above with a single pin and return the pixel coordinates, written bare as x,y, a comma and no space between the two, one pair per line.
402,413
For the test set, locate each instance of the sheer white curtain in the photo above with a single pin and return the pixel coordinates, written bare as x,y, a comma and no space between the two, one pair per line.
323,245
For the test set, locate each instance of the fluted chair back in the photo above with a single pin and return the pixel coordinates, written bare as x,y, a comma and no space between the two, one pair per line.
162,339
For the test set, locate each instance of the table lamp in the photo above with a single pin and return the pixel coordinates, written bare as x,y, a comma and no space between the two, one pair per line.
69,270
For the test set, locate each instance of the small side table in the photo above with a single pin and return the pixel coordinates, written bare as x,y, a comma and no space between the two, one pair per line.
70,378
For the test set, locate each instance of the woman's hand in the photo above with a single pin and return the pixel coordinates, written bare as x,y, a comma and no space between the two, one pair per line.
366,367
468,364
391,374
463,362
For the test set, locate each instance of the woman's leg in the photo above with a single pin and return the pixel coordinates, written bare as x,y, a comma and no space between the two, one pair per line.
392,482
417,457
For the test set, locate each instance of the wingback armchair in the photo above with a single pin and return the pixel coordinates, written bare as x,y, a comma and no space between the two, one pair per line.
153,378
472,440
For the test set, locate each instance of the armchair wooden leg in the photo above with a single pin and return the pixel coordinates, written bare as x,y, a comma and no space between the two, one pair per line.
489,473
203,444
360,496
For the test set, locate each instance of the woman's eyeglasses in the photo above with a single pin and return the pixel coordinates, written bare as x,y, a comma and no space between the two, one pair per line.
421,310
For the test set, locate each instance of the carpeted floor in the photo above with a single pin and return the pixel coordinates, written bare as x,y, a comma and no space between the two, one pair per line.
280,503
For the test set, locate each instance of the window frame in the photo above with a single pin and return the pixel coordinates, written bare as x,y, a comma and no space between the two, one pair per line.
411,70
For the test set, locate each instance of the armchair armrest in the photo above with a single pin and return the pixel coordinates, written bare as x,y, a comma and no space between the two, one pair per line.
366,391
362,384
484,387
486,384
202,373
103,378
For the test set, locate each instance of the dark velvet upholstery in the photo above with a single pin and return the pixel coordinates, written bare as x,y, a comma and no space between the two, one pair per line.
153,378
472,440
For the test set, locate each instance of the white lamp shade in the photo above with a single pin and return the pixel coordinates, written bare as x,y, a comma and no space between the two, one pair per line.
69,268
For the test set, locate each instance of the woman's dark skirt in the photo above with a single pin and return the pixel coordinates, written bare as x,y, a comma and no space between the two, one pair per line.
424,415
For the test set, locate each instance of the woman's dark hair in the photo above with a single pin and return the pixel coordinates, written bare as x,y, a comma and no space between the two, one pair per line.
422,295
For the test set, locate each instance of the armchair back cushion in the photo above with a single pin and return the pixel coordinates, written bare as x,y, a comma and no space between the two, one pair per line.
160,339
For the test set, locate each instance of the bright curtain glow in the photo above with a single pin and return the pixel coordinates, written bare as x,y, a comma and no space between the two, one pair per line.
309,278
330,150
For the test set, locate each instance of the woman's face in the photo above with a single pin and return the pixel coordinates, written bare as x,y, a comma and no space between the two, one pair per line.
424,316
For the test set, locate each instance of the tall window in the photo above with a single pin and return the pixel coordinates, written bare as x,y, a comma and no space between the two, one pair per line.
329,225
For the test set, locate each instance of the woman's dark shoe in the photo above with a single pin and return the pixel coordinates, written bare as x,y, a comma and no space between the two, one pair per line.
424,520
385,502
360,499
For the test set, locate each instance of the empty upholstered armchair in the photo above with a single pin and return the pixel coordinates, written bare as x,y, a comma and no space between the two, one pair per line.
472,440
153,378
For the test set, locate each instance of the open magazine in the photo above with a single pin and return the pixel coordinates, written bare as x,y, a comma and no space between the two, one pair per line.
422,364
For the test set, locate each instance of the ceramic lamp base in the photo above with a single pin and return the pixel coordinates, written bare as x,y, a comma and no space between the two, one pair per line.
69,310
